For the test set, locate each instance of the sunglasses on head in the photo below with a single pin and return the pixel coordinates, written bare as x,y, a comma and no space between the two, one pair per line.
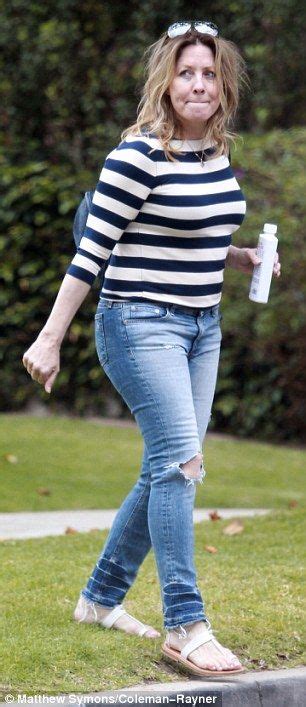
180,28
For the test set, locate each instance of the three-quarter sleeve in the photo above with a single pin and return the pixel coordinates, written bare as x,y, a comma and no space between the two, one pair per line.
125,182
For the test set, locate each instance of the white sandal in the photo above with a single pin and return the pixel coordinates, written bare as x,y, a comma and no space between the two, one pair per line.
181,657
86,612
110,619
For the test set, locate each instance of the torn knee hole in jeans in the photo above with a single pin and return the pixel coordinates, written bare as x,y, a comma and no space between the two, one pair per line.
193,470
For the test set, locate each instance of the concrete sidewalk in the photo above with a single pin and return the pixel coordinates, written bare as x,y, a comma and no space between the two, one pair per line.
262,688
265,688
43,523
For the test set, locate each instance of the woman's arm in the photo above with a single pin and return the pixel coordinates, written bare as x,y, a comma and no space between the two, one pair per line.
125,182
244,259
42,359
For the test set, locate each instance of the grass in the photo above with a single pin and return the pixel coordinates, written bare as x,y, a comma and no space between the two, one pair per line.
252,589
90,465
252,585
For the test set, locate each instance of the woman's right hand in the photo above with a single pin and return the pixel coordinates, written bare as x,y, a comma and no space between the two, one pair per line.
42,361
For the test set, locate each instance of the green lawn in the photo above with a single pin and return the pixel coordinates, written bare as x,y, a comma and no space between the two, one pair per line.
253,589
90,465
252,585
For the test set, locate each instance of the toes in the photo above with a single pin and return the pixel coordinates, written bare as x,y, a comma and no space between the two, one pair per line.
151,633
222,666
231,659
234,662
129,624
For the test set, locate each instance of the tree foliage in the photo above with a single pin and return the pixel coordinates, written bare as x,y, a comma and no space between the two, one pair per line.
72,71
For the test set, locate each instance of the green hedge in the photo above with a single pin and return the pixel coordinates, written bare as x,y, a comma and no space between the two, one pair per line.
262,381
71,70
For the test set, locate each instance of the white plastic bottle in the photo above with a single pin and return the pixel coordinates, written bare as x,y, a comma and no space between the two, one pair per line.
262,275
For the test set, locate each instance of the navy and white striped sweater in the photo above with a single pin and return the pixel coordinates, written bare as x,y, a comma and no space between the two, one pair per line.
164,227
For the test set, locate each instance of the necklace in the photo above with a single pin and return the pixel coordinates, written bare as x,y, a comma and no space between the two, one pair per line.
200,157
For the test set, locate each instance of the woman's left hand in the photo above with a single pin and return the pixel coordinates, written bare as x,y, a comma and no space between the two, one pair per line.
244,259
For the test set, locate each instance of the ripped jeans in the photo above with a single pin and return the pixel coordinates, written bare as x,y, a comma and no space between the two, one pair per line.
164,363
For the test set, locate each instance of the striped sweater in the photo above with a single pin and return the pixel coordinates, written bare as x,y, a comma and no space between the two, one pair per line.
164,227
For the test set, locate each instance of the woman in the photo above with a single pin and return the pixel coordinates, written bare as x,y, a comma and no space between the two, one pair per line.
163,213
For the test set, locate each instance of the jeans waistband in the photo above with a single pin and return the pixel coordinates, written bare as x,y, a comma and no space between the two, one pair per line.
194,311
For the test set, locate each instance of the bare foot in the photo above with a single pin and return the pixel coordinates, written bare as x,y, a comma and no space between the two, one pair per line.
90,612
212,656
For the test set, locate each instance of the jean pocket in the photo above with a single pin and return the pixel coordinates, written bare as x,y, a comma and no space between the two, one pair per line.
100,339
134,313
216,314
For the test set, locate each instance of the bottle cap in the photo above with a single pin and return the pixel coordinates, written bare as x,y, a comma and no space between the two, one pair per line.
270,228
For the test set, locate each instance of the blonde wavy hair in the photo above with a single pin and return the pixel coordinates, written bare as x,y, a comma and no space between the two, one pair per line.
155,113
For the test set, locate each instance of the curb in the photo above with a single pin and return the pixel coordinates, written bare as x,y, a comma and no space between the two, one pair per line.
268,688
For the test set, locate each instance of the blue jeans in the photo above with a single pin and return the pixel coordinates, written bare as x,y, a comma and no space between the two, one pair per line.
164,363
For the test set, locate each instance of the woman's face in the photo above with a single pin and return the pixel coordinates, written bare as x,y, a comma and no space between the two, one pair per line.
193,91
